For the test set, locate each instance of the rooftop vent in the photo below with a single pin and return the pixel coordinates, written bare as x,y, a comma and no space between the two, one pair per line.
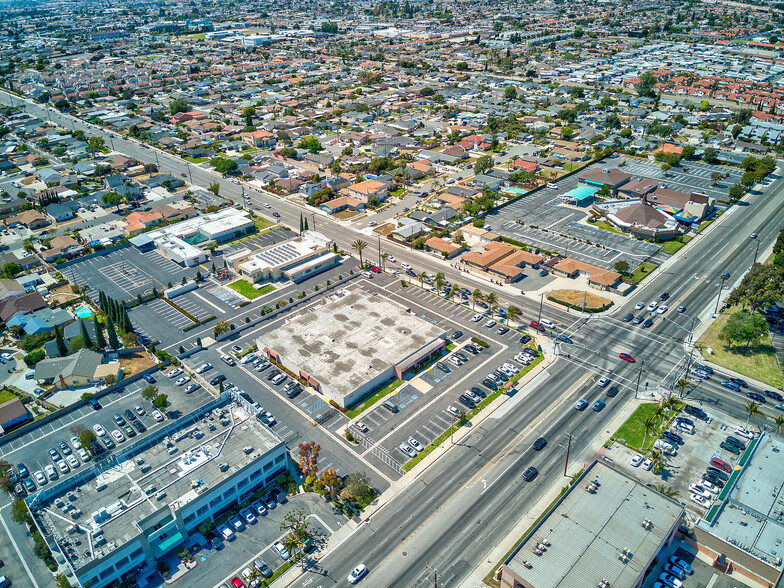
647,524
605,583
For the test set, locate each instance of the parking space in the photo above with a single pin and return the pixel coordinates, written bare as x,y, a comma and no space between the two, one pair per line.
255,541
259,241
125,273
691,176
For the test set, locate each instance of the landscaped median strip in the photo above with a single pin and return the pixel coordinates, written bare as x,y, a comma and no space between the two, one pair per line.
471,413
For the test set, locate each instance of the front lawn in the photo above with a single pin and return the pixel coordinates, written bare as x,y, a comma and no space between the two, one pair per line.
670,247
632,431
248,291
605,226
6,395
758,361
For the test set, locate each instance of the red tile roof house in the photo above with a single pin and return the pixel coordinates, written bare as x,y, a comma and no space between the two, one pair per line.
368,190
475,143
259,138
137,221
446,249
182,117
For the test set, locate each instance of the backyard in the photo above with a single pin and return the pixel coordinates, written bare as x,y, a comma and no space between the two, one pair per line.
758,361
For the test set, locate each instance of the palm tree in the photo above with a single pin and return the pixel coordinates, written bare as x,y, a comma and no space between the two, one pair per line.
681,385
491,298
454,290
752,409
657,457
493,310
648,425
359,246
476,296
779,420
666,491
291,543
658,413
422,277
384,257
511,314
439,281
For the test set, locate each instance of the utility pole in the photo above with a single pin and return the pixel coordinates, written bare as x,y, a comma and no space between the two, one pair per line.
639,376
568,448
436,575
313,218
756,251
541,302
379,250
585,296
721,287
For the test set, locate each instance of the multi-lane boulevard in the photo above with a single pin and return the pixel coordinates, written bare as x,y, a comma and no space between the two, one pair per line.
451,515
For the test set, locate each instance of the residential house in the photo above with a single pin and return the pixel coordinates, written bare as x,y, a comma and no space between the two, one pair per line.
83,368
492,253
32,219
13,413
140,220
447,249
342,203
10,288
62,211
20,305
369,190
259,138
419,169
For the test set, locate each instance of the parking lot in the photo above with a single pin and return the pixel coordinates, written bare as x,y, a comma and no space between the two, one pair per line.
255,541
691,459
541,218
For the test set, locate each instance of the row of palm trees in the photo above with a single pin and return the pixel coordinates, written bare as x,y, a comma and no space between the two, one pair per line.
752,409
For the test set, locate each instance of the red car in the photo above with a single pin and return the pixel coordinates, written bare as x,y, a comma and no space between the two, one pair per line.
626,357
537,326
237,583
721,464
184,175
375,269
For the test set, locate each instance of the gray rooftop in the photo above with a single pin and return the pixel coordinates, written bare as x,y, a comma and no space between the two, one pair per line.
753,517
174,471
588,531
351,338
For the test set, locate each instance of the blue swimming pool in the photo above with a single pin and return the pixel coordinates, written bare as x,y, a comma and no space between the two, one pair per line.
83,312
515,190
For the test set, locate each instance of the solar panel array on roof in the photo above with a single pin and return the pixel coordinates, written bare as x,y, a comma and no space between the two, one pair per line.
277,255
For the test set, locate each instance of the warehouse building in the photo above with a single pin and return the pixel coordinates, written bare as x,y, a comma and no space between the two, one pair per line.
112,520
605,531
294,259
351,343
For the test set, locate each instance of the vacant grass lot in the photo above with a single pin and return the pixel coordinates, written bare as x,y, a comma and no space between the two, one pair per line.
632,431
248,291
642,272
758,361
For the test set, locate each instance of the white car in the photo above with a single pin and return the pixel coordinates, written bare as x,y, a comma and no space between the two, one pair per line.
453,411
652,306
636,459
39,477
83,455
51,473
698,499
391,259
74,441
476,318
248,515
205,367
744,432
226,533
182,381
280,549
357,574
405,266
709,487
138,409
662,309
63,467
639,306
647,464
157,416
99,430
118,436
699,490
7,356
415,444
174,373
547,323
72,461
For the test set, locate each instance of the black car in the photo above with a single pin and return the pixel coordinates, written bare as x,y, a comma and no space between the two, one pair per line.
731,447
129,414
218,379
647,323
628,317
530,474
488,383
539,444
705,368
29,485
717,472
479,392
94,404
664,296
735,441
525,339
64,448
119,420
19,490
457,334
758,397
471,349
139,426
739,382
715,480
272,374
774,395
107,442
440,365
612,391
389,406
460,356
467,401
502,375
54,455
638,319
694,411
295,391
688,421
673,437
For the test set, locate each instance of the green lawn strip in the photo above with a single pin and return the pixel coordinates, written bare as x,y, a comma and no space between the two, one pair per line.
671,247
195,159
604,225
632,432
747,454
642,272
6,395
757,361
376,395
728,485
262,223
248,291
471,413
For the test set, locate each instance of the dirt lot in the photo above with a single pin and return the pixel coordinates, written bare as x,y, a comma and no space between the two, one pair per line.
385,229
576,297
133,364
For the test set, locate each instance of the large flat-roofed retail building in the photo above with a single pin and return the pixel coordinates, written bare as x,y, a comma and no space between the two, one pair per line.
351,342
112,519
605,531
293,259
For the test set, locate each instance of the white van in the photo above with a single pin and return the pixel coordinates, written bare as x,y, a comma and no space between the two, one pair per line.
278,379
665,447
551,185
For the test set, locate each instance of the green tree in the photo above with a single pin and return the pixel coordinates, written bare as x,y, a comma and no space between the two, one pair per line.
224,165
356,487
248,113
359,246
149,393
710,155
310,143
221,328
748,179
178,105
86,438
704,105
736,192
19,512
62,348
85,335
427,91
483,165
510,92
11,270
763,285
214,188
753,410
647,85
111,333
100,341
112,199
622,266
161,401
95,144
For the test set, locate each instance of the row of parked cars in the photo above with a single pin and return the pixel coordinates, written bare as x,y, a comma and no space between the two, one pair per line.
674,571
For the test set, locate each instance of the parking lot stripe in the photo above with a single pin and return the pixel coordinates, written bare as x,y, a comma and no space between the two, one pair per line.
215,306
18,553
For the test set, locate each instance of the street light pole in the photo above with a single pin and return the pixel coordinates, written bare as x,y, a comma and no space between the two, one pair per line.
721,287
568,447
639,376
541,302
756,251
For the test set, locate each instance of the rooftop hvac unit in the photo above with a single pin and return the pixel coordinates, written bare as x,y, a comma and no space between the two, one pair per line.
605,583
546,542
623,558
647,524
527,564
538,552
